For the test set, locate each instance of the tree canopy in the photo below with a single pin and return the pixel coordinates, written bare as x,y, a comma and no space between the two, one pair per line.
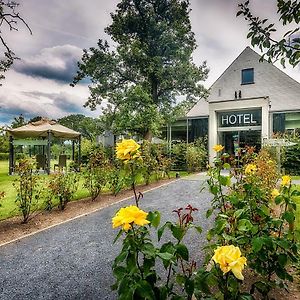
9,18
261,32
87,126
139,78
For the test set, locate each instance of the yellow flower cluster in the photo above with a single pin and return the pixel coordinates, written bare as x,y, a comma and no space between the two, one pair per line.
218,148
250,169
286,180
127,149
229,258
129,215
275,193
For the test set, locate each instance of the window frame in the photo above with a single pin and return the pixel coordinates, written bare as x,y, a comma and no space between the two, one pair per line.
242,77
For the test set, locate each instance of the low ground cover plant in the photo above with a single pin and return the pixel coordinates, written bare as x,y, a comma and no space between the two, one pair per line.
254,215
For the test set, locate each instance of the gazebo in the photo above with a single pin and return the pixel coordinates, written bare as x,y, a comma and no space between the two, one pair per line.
41,133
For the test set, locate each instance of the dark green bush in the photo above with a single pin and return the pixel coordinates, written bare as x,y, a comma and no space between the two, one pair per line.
4,156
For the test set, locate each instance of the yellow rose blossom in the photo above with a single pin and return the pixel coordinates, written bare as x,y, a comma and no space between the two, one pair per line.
286,180
218,148
127,149
129,215
250,169
229,258
275,193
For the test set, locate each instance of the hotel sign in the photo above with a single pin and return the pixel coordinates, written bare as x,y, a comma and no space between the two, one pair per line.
240,118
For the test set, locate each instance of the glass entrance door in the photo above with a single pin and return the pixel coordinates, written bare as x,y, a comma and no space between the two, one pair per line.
233,140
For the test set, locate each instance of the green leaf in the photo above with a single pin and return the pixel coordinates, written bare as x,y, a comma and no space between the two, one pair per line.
145,290
238,213
182,251
154,218
189,286
295,193
227,166
224,180
165,255
244,225
245,296
118,235
209,212
178,232
265,210
257,244
199,229
162,229
282,259
148,249
288,216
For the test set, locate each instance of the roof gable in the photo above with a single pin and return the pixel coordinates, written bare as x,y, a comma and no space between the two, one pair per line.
269,81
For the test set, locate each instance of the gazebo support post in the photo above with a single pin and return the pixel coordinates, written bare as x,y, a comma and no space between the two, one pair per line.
79,152
73,150
11,155
49,152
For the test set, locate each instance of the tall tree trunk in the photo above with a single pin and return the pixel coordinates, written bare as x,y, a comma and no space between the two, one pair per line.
148,135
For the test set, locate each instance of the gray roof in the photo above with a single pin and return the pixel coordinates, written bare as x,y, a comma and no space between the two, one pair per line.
269,81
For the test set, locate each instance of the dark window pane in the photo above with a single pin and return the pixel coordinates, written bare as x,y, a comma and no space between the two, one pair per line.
199,129
278,123
247,76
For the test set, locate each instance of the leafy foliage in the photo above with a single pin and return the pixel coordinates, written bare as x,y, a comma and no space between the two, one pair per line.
62,186
150,66
262,32
134,268
28,188
246,217
96,172
87,126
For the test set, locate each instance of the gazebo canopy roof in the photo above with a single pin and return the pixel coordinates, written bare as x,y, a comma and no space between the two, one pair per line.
41,129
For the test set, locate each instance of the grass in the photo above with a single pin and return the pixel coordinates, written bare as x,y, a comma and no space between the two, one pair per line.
8,206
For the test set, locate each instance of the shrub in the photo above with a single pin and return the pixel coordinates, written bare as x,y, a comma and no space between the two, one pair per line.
197,155
178,155
245,218
28,189
4,156
134,268
150,163
63,187
96,172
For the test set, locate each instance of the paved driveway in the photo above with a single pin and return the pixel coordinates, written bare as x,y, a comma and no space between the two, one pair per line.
73,260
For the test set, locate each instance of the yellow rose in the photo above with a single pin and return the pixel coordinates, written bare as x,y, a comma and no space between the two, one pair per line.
127,149
275,193
129,215
250,169
229,258
218,148
286,180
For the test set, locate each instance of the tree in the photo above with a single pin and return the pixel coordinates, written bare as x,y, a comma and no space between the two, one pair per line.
9,18
261,32
18,121
87,126
150,67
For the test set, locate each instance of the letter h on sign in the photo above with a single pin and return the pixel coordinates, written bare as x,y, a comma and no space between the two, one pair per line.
224,120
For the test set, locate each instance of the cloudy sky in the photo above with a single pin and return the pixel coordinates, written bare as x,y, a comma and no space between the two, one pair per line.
38,84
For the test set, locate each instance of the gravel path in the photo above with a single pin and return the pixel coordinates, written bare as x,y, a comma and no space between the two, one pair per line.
73,260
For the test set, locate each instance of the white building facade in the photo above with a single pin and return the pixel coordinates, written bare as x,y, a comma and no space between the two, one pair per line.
247,104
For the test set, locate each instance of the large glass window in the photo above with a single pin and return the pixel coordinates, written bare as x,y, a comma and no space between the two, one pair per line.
248,76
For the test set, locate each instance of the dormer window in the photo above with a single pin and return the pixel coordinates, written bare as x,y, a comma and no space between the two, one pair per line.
248,76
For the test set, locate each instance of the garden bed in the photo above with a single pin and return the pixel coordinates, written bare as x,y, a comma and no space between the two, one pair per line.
11,229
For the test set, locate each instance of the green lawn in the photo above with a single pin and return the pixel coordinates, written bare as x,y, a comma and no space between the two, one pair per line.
9,207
